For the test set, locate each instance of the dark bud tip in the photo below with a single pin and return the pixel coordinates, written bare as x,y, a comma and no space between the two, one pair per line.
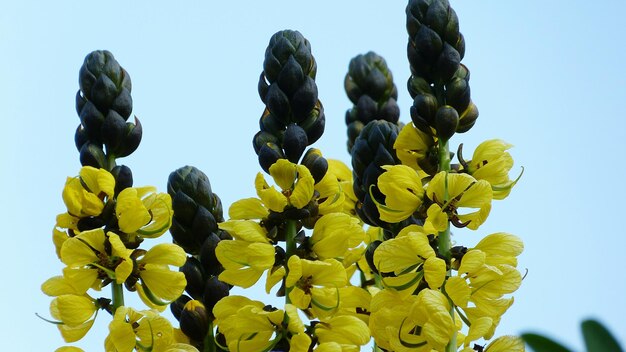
123,178
194,320
295,141
446,122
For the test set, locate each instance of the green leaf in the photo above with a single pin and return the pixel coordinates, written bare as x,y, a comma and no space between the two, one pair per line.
598,338
543,344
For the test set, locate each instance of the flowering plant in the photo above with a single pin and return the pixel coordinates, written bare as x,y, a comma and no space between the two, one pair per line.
356,254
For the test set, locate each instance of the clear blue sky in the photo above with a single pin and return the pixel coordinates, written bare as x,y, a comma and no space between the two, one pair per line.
547,76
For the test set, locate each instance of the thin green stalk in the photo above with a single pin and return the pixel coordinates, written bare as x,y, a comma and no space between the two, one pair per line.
291,231
209,340
118,296
445,242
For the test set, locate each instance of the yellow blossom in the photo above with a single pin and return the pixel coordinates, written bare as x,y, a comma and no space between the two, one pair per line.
335,234
144,212
92,253
311,282
295,181
491,162
412,146
85,195
158,285
246,324
410,256
463,192
247,256
403,192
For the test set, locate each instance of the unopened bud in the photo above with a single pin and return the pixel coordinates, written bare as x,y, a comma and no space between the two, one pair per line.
194,320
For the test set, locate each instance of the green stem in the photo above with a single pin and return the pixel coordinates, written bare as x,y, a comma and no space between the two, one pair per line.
291,231
209,340
110,160
445,242
118,296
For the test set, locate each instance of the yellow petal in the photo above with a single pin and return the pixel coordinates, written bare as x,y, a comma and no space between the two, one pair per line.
506,344
162,282
272,198
284,173
458,290
249,208
303,191
166,254
434,272
75,310
98,181
130,210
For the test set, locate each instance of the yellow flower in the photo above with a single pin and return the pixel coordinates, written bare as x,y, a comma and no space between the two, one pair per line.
344,175
348,331
486,273
144,330
403,192
412,147
76,314
144,212
389,310
159,286
309,283
246,324
85,195
295,181
300,341
410,257
463,192
246,257
506,344
248,209
491,162
335,234
92,255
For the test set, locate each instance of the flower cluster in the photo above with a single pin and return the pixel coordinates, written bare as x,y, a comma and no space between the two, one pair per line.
356,254
106,221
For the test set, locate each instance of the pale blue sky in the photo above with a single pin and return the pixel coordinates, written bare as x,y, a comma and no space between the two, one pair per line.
547,76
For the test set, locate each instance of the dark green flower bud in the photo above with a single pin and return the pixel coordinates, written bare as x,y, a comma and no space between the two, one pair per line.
366,109
423,112
102,80
369,85
458,94
435,46
270,124
213,292
282,46
294,142
194,276
80,137
314,124
467,118
123,178
304,100
194,206
278,104
177,306
261,138
448,62
92,119
208,258
194,320
446,122
92,155
372,150
121,138
316,163
269,154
